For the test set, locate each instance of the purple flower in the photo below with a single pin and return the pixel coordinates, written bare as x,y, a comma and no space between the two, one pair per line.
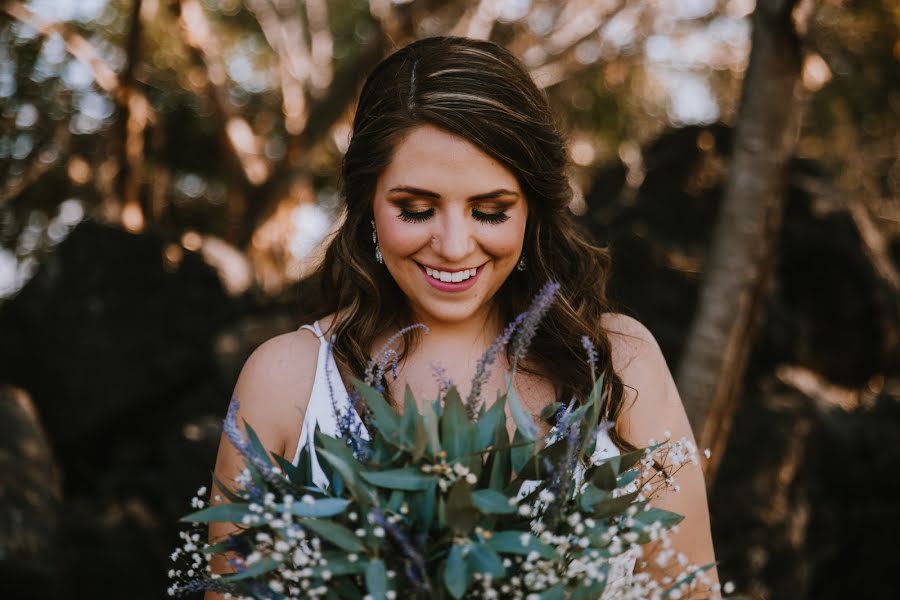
246,449
377,365
519,333
588,346
525,333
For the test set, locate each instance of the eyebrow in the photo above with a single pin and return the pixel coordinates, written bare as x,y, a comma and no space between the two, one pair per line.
429,194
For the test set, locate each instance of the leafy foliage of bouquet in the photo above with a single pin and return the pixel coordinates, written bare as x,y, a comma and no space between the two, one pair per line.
441,503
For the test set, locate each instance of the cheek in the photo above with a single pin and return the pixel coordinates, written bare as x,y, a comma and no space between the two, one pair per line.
398,238
504,243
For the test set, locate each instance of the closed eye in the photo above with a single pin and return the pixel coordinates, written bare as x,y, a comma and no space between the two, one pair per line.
415,217
492,218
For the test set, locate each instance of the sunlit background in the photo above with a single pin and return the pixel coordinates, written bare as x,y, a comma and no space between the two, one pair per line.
198,137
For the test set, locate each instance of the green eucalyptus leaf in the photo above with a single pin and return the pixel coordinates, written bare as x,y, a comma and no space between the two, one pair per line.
652,515
395,501
462,516
339,564
323,507
422,506
407,478
500,462
376,579
557,592
430,419
627,477
595,589
229,511
257,444
335,533
304,463
409,418
604,476
387,420
455,576
522,450
487,424
590,496
291,471
613,506
492,502
230,495
511,542
523,420
548,411
255,570
340,457
484,559
219,548
456,428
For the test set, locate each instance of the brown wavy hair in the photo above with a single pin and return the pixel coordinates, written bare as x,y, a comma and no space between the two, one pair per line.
479,91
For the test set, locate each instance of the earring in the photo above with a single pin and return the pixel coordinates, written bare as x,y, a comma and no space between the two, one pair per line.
378,256
521,265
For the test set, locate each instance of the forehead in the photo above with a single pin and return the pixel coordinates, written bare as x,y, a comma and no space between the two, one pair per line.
430,157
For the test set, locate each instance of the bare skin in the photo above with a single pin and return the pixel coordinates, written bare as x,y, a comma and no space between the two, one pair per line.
442,202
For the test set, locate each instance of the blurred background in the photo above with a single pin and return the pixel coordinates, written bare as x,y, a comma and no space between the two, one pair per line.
168,170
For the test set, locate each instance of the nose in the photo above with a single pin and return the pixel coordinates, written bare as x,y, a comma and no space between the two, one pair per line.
452,239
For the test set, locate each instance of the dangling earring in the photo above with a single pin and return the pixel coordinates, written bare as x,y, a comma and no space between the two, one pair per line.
378,257
521,265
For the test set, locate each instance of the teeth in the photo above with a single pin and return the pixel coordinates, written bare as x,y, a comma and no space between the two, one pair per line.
454,277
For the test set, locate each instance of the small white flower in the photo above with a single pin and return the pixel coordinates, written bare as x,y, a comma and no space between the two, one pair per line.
728,587
307,499
471,478
379,532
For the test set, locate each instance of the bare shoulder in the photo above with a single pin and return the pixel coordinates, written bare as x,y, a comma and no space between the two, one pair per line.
630,340
274,386
651,403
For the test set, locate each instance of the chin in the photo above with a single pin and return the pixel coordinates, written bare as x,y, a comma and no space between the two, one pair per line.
447,312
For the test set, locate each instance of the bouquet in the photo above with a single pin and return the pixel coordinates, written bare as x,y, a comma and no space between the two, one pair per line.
441,503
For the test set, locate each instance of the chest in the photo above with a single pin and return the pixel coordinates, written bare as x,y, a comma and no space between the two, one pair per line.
534,392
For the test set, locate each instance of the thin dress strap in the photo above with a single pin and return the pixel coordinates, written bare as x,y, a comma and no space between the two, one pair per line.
328,395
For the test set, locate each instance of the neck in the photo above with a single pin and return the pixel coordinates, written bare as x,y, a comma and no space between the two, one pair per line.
480,329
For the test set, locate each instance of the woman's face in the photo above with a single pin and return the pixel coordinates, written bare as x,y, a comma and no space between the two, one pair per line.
443,211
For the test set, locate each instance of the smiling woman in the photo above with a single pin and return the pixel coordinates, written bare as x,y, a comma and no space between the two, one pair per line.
457,214
440,232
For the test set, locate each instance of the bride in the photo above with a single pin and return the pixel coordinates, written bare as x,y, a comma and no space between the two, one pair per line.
456,191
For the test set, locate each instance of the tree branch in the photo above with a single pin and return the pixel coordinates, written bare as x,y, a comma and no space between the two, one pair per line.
743,252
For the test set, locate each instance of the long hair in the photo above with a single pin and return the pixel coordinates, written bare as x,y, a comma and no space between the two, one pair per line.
479,91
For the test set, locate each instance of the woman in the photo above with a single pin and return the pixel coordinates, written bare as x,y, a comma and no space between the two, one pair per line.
457,213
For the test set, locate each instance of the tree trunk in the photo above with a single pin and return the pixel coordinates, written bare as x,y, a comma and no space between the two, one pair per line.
743,252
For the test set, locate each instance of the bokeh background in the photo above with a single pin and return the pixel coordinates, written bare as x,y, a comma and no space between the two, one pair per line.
168,171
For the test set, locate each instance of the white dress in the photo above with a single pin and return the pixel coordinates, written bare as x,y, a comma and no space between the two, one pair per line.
330,395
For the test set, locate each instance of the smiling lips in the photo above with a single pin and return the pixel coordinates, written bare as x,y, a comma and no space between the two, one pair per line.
451,281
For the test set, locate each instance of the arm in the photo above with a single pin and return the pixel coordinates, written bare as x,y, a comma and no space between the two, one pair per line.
273,390
651,407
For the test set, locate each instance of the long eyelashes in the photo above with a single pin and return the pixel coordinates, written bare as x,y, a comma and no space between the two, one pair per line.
424,215
415,217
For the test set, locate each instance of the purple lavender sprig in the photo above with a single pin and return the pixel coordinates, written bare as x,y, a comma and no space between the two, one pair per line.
561,483
482,370
519,333
246,449
418,573
444,382
591,351
349,426
385,355
525,333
